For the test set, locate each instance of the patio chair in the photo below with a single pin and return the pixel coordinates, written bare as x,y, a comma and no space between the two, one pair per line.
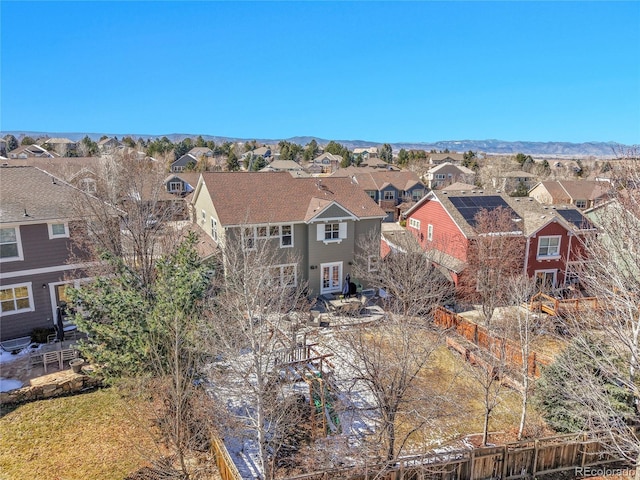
35,359
51,357
68,354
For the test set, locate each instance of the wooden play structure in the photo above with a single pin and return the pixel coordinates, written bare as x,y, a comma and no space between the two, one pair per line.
304,364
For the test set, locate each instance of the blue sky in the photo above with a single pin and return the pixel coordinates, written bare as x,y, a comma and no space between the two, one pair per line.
378,71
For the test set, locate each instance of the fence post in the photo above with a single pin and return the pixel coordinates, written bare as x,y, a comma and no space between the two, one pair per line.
534,467
583,448
504,462
472,463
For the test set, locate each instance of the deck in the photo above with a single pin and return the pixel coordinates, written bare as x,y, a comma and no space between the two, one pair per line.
566,306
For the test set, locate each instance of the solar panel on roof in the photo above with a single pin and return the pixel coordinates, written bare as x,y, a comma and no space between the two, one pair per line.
576,218
469,207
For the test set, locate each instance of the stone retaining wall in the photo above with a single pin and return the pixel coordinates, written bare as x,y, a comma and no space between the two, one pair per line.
57,387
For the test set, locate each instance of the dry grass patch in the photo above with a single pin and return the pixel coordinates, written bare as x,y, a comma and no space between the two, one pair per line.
460,408
89,436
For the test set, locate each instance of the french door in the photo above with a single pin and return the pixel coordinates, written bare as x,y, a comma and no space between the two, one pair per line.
331,277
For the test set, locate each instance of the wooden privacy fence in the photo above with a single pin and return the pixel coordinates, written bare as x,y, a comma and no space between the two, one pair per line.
228,469
500,347
513,461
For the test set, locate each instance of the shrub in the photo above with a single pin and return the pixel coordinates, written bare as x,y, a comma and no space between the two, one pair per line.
39,335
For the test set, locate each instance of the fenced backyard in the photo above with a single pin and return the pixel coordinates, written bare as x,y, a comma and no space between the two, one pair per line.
512,461
500,347
526,459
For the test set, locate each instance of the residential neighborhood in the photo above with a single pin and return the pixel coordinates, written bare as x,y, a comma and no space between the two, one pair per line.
319,240
325,239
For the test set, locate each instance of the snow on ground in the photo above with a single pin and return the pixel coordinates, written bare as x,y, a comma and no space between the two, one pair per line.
8,384
355,401
6,357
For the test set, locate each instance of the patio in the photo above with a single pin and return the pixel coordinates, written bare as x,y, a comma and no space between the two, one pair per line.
341,310
28,366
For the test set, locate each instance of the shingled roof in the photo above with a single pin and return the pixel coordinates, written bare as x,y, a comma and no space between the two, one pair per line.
378,179
28,194
531,213
568,190
277,197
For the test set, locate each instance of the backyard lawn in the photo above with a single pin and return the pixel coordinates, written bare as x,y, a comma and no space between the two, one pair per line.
90,436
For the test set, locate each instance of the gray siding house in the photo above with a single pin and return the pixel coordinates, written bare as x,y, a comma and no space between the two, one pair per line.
388,188
313,224
38,257
185,162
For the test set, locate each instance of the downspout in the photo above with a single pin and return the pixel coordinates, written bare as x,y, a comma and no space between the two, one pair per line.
526,257
566,263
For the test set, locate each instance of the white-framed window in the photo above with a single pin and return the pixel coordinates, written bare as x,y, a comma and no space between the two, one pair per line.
262,231
440,176
175,186
249,238
203,216
549,247
413,223
372,194
416,195
331,232
58,230
581,203
16,298
285,275
430,232
178,168
372,263
389,195
286,236
214,229
10,244
88,185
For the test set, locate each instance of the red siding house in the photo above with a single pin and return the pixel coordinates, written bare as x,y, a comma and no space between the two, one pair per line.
443,224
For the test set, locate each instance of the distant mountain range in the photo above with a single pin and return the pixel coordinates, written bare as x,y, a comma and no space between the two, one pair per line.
552,149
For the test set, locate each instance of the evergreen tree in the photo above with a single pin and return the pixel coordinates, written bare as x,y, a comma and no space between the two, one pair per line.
232,162
386,153
123,319
564,392
311,151
12,142
403,157
520,191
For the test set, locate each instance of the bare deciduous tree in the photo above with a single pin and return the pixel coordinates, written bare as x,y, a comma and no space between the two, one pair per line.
611,272
495,256
254,326
525,326
394,360
133,221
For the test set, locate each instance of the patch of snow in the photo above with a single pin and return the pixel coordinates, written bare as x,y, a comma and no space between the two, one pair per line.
8,384
6,357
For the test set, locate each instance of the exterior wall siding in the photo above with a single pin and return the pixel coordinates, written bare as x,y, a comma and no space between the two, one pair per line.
558,264
38,250
320,253
334,211
21,324
447,237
